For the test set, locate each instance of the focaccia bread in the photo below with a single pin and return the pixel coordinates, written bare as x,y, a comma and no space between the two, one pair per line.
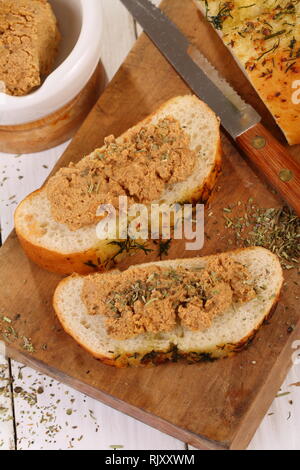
56,225
264,38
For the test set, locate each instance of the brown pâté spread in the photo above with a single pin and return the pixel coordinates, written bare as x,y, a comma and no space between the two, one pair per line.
157,299
140,167
29,39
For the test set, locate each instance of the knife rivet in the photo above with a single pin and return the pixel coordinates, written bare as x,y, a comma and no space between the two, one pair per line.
286,175
259,142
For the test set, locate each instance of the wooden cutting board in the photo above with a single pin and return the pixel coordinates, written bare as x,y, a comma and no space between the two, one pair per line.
210,405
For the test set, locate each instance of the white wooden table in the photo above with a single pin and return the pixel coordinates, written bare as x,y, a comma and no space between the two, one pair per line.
37,412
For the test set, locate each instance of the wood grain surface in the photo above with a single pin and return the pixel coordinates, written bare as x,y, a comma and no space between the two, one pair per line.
274,162
211,405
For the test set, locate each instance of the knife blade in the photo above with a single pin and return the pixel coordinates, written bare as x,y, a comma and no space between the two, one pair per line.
238,118
174,46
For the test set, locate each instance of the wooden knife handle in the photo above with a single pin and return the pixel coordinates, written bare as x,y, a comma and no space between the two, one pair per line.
274,162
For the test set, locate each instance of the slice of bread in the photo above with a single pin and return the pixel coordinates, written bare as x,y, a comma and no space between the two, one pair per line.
229,332
55,247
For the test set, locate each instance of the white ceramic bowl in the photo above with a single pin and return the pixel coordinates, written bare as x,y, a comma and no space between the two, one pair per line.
80,22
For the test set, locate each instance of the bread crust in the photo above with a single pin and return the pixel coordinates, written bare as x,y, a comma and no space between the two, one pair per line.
172,354
53,261
97,258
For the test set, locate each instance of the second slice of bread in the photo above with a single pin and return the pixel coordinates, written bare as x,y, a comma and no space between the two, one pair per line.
229,332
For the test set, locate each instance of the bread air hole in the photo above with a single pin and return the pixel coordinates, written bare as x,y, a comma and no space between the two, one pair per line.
85,324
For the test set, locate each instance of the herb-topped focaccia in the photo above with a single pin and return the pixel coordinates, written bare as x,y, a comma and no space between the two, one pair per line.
264,37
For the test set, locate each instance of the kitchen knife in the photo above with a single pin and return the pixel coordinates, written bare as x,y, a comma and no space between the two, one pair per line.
238,118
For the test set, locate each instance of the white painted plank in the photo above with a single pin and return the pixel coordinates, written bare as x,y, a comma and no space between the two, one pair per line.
7,438
118,35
